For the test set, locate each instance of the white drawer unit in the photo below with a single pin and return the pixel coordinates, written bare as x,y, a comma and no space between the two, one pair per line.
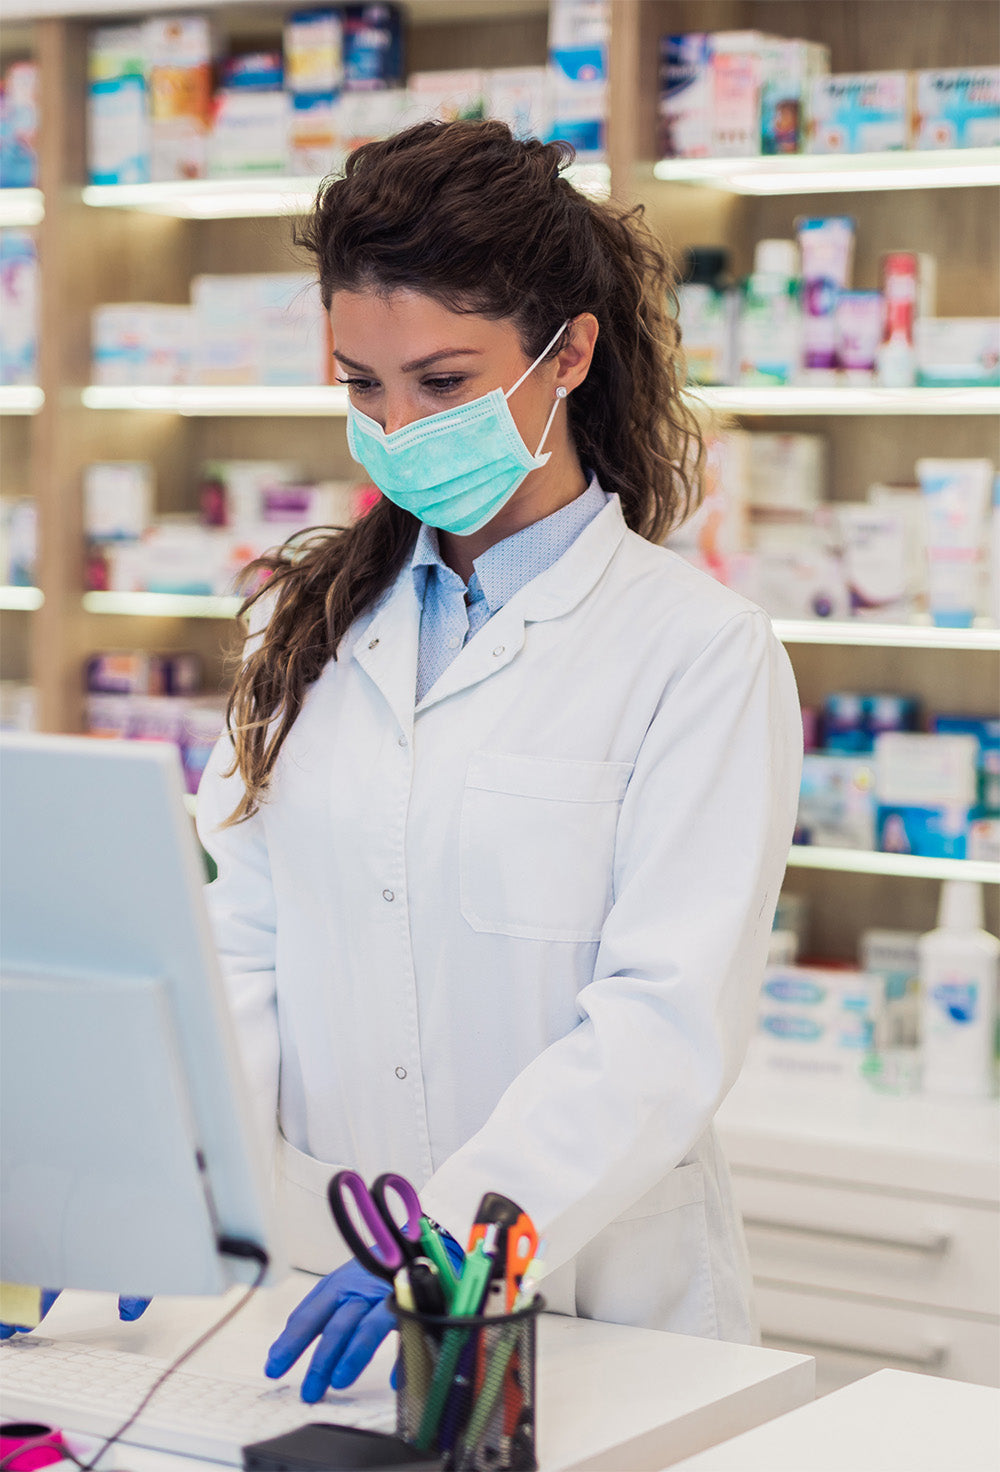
873,1225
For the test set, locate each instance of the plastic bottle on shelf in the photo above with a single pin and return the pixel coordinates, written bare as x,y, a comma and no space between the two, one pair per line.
707,313
770,325
958,987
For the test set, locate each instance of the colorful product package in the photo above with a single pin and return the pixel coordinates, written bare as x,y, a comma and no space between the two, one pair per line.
926,791
118,498
250,118
874,552
958,352
787,72
684,128
836,801
958,107
857,325
373,47
986,732
19,126
179,49
118,122
817,1020
851,721
18,307
736,93
141,343
314,81
579,33
448,96
859,112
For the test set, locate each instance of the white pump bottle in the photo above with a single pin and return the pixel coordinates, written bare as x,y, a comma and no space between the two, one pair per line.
959,964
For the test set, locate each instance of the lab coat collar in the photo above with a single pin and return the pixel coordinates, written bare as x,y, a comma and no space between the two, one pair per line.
386,644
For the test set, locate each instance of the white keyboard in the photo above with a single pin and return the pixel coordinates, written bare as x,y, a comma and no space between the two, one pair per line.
80,1388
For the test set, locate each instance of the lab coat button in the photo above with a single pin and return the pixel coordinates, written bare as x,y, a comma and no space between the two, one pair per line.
498,650
401,741
388,895
400,1072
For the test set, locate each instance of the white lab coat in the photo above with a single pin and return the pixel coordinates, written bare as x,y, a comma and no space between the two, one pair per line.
512,939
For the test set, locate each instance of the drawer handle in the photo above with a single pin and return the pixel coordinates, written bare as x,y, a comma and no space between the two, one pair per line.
935,1246
931,1359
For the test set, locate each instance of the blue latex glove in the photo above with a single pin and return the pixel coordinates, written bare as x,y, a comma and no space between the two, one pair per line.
128,1309
348,1311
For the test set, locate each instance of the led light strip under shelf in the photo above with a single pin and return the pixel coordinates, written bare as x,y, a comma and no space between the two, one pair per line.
18,398
813,173
901,866
15,599
21,207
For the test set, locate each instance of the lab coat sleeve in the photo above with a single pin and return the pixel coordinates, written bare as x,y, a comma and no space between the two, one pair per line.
241,909
599,1117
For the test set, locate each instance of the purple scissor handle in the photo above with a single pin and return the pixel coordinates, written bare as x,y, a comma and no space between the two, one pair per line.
395,1245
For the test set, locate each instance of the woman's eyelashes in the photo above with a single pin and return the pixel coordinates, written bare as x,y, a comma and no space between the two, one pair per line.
440,385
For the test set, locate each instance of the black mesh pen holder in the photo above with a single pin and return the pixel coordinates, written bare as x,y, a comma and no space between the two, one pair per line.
466,1388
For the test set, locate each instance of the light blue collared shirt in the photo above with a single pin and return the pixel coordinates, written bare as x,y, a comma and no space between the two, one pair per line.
451,613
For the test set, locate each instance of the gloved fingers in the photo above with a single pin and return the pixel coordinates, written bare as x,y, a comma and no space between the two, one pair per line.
394,1374
132,1308
302,1326
338,1333
366,1339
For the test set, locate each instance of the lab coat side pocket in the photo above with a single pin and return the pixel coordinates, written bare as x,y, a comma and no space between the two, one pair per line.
536,845
651,1268
308,1228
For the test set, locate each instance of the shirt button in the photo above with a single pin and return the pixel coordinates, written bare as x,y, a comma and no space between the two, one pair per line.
373,644
400,1072
388,895
498,650
453,643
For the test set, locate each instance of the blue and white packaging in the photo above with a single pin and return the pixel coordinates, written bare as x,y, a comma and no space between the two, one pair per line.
836,801
579,31
816,1020
859,112
314,80
926,791
520,97
118,111
19,126
684,127
958,107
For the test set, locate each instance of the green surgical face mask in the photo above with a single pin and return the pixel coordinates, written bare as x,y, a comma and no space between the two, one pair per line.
456,469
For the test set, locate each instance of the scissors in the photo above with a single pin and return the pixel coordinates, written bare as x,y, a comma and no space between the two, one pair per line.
396,1246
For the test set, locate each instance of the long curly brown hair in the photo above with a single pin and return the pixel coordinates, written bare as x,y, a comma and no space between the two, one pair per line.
488,224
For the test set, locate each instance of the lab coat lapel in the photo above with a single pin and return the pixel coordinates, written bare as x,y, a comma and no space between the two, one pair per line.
386,648
553,593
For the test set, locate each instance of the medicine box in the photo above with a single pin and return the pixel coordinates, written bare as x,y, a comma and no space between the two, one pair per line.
117,500
787,72
816,1020
926,790
958,352
958,107
118,122
314,52
19,126
250,132
141,343
836,801
179,50
373,47
685,96
737,70
859,112
788,472
578,65
363,116
18,307
447,96
520,97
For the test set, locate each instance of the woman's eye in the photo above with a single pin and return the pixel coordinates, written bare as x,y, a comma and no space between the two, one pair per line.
358,385
445,385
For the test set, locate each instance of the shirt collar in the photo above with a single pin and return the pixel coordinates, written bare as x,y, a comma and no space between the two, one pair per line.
509,565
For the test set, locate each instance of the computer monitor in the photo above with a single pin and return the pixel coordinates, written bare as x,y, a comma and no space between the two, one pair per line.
128,1159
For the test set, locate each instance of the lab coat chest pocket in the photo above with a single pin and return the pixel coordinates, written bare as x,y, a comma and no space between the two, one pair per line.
537,845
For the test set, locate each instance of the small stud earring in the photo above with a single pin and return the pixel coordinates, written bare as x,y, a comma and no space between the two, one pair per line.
560,392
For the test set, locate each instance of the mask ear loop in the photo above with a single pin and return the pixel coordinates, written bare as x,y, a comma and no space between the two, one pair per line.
560,395
547,348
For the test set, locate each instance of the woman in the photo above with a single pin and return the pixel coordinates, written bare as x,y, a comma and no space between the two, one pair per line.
505,808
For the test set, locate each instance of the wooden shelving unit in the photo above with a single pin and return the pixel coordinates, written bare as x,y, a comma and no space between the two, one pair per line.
106,245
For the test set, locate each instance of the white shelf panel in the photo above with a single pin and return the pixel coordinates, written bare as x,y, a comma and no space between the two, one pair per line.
886,636
21,207
28,599
20,398
815,173
250,197
162,605
902,866
237,399
424,12
851,399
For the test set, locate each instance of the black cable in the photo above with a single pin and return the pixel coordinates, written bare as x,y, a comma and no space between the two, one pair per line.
229,1246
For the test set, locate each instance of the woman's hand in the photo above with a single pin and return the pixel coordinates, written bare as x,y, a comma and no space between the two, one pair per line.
348,1310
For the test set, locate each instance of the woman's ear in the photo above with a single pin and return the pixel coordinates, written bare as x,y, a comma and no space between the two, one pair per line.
574,358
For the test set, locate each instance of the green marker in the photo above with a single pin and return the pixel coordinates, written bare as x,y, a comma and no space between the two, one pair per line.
471,1287
435,1249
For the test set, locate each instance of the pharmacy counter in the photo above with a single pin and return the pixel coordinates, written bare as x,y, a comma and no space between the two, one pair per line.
893,1421
608,1397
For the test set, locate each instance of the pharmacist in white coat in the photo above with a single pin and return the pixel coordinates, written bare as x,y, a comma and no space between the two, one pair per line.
504,811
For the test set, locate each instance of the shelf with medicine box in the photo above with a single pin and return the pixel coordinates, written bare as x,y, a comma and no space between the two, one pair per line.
21,207
900,866
17,398
16,599
810,173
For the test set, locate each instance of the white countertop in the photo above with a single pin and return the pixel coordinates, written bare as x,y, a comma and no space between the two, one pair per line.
846,1130
892,1421
608,1397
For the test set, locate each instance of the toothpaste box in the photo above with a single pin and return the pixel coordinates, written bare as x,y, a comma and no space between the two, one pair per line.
958,107
578,65
816,1020
179,49
859,112
118,122
685,96
519,97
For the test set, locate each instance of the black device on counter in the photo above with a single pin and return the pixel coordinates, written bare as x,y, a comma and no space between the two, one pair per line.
324,1447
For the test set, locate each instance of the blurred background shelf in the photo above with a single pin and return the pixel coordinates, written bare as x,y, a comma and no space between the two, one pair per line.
20,398
812,173
21,207
223,400
900,866
852,400
20,599
162,605
884,636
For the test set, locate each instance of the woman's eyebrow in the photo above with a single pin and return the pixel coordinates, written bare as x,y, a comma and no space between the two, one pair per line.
417,364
